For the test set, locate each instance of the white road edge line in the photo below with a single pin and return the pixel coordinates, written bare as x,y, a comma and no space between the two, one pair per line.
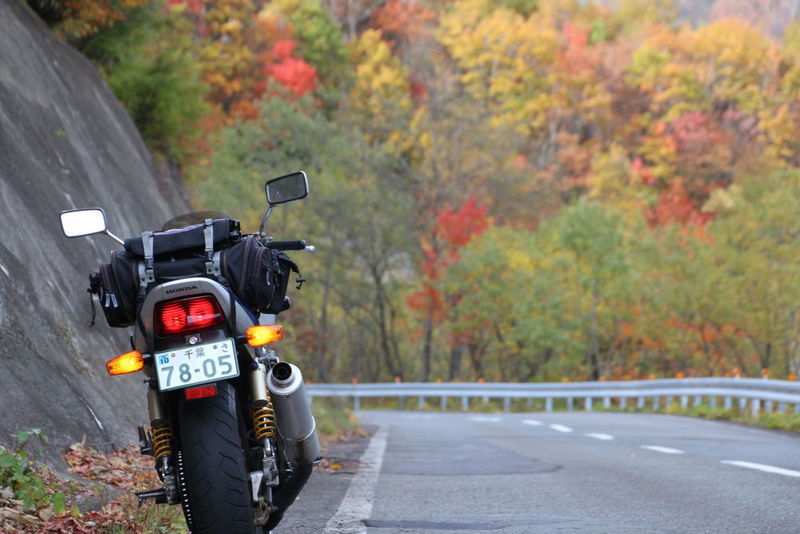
665,450
356,507
603,437
763,467
532,422
485,419
561,428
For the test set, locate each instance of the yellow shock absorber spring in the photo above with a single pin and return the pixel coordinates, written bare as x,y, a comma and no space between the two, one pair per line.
264,420
162,439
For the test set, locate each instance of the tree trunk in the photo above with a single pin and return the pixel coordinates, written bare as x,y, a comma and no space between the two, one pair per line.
322,335
456,356
427,347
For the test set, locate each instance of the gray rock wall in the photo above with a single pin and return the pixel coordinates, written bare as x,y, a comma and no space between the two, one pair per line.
65,142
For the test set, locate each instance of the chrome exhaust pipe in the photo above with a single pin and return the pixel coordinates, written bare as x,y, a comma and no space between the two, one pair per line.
293,416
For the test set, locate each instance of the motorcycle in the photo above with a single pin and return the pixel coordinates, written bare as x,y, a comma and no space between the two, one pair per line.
230,424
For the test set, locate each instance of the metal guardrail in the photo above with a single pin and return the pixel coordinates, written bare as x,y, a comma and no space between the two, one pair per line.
761,394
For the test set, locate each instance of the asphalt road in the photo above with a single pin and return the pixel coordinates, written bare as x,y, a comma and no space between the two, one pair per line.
434,473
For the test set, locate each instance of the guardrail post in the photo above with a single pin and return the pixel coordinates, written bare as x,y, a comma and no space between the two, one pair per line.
742,404
357,402
768,406
756,407
570,404
548,404
698,400
640,403
782,407
668,402
465,403
684,401
712,401
728,403
797,408
507,404
443,403
606,402
587,404
623,402
421,402
656,400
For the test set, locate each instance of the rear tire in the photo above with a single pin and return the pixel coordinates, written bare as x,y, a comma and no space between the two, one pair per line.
216,475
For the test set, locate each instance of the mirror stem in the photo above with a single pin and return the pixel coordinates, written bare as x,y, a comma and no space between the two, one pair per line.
115,238
264,220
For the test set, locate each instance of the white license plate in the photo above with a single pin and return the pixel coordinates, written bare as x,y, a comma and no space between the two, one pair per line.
199,364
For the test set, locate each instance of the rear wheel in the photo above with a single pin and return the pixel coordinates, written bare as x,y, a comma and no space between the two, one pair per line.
215,474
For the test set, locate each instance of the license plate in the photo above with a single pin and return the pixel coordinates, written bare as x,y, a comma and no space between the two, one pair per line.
198,364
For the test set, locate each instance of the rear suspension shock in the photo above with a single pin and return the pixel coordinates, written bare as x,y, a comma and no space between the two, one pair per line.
264,419
162,438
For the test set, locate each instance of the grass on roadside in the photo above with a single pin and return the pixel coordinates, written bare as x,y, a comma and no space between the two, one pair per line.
97,496
334,417
789,422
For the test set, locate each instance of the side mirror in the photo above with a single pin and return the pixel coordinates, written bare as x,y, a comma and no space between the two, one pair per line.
287,188
77,223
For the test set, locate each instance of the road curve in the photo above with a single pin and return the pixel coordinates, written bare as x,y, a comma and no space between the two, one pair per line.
434,473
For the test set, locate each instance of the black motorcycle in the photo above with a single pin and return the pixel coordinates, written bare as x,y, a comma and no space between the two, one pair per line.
231,428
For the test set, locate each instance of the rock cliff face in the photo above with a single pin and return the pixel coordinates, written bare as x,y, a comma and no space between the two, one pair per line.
65,142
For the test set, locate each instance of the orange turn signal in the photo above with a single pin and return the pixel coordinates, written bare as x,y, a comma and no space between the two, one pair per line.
130,362
264,334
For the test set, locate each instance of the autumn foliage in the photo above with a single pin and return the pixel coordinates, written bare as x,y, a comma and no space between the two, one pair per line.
588,188
290,71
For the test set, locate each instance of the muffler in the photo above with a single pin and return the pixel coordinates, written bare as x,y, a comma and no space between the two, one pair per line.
293,413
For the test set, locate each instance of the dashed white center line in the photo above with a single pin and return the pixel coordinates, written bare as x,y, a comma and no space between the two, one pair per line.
561,428
665,450
763,467
532,422
602,437
481,419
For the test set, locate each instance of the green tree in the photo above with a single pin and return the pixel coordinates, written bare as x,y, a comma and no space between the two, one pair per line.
148,63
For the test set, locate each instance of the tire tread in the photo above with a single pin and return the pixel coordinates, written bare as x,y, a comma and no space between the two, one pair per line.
216,473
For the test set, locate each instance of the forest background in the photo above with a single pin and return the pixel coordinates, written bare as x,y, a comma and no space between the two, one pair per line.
515,190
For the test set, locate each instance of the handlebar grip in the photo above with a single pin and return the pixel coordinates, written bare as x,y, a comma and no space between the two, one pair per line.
287,245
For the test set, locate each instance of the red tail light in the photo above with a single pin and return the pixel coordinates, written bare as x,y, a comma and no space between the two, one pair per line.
187,315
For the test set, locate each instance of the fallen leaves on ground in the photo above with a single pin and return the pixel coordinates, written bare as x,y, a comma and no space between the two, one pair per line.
125,469
334,464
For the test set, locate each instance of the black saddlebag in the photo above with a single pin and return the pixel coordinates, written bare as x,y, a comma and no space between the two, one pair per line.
116,285
258,275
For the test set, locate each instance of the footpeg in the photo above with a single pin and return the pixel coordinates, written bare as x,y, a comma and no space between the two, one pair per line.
160,495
